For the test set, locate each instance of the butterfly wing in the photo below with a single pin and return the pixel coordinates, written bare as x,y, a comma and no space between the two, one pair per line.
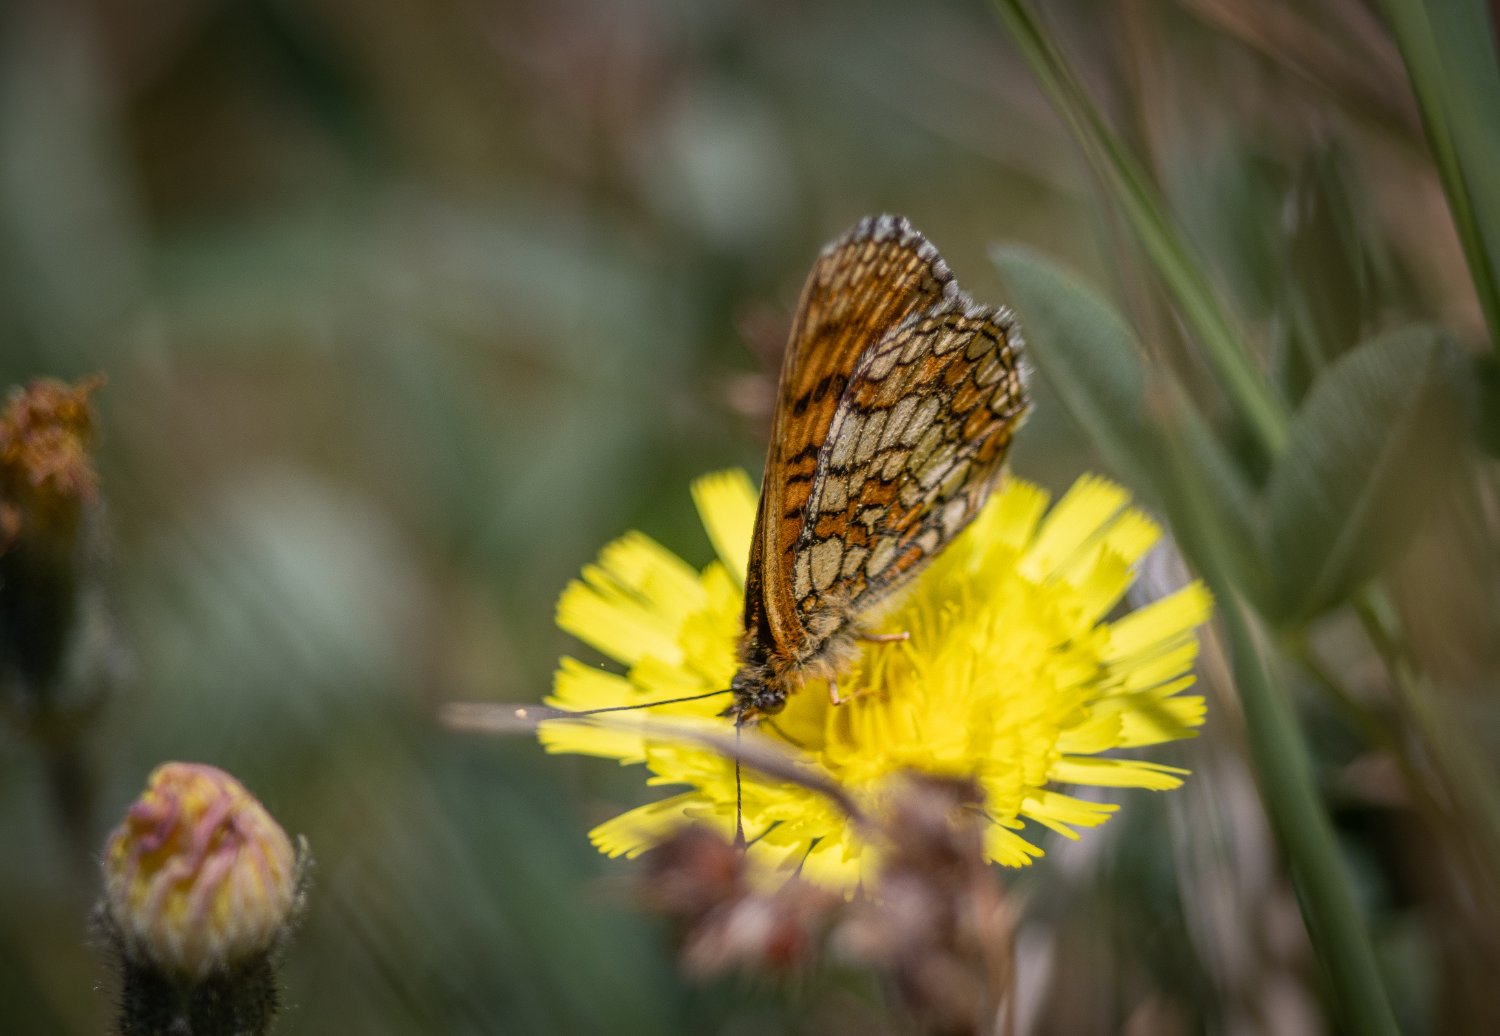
862,288
915,444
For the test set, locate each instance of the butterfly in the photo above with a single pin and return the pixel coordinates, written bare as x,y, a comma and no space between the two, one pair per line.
896,405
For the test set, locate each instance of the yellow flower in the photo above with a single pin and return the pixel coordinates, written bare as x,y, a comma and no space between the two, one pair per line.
1011,676
199,876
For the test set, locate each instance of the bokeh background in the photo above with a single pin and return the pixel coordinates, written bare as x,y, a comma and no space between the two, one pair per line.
407,308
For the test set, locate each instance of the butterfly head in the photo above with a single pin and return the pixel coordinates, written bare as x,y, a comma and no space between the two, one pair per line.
756,693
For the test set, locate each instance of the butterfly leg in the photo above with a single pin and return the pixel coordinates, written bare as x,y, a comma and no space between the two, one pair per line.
833,692
837,699
871,638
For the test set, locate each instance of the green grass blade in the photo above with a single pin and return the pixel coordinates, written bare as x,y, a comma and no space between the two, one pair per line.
1324,884
1450,59
1245,385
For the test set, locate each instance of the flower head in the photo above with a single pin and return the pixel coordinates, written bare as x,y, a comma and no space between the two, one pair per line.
199,877
46,473
1013,677
59,653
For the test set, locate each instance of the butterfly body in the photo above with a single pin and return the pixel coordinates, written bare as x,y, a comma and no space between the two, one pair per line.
897,401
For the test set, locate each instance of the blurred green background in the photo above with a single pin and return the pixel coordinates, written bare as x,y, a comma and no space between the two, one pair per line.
408,308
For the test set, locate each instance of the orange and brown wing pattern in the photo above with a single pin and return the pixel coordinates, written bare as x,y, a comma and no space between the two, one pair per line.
861,289
914,447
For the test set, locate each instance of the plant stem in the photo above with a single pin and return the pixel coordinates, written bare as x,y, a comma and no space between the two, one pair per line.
1468,786
1450,61
1325,890
1284,770
1247,388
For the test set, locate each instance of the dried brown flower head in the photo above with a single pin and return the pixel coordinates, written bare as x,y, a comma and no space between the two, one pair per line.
46,472
936,922
700,879
933,922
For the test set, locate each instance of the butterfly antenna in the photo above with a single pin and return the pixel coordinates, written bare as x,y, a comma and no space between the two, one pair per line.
570,713
739,790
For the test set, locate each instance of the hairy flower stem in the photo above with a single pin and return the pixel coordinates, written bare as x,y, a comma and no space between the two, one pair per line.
239,1001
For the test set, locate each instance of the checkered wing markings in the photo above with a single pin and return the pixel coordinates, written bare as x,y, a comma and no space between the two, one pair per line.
912,452
861,288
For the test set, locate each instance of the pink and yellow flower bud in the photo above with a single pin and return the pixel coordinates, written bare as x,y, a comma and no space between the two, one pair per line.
199,877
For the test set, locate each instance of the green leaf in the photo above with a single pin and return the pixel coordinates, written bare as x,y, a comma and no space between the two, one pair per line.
1088,355
1142,423
1378,437
1229,195
1213,506
1487,383
1332,268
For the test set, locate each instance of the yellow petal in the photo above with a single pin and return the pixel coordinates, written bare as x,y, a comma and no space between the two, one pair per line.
832,865
1012,518
685,762
1008,848
577,686
726,504
633,832
658,679
1116,773
1101,578
1076,520
1148,671
1167,720
1062,813
560,735
1171,617
1131,535
631,604
1099,733
652,573
708,636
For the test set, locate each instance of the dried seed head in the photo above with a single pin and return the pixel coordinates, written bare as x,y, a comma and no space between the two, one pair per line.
936,922
693,872
46,472
698,878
